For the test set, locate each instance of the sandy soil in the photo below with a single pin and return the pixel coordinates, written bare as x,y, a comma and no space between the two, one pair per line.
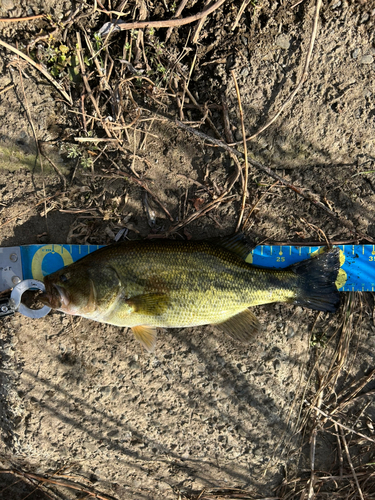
202,412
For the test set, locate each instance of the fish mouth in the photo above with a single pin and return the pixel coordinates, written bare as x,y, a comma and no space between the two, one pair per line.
54,297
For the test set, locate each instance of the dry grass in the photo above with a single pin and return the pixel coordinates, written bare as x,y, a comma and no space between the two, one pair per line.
334,416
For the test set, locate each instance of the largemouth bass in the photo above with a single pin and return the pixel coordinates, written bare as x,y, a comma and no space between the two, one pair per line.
171,284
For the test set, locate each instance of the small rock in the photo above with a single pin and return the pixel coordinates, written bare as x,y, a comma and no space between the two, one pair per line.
276,365
290,332
282,41
336,5
365,17
242,368
368,59
355,53
244,40
238,135
106,390
230,61
245,72
279,326
90,446
8,351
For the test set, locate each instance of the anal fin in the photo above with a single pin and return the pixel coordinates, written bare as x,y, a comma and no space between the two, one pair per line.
242,327
146,335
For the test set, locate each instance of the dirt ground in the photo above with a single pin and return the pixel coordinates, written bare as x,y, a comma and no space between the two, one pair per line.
81,401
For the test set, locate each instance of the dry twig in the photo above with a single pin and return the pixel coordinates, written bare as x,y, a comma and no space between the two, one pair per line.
168,22
245,3
177,14
340,424
258,202
245,153
4,90
40,68
57,482
20,19
44,200
314,434
199,25
28,112
56,168
87,85
120,174
350,462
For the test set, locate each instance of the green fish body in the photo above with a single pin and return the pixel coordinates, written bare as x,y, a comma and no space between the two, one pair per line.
172,284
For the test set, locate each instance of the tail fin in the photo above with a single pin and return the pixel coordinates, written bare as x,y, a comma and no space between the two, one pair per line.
317,288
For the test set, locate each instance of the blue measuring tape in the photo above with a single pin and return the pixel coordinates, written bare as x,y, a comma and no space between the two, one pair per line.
357,271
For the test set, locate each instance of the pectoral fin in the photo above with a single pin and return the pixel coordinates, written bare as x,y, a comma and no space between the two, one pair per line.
150,304
146,335
242,326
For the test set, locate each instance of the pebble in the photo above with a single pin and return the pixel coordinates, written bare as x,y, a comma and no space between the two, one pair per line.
245,72
282,41
336,5
290,332
106,390
365,17
8,351
90,446
368,59
355,53
238,135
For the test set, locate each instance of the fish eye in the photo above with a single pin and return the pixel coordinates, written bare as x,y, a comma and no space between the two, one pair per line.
63,278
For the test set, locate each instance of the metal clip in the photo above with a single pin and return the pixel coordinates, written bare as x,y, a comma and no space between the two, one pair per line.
16,295
6,307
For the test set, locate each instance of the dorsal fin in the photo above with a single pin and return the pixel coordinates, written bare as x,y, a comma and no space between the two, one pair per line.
236,243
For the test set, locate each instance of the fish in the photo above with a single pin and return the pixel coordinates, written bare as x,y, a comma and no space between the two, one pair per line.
150,284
